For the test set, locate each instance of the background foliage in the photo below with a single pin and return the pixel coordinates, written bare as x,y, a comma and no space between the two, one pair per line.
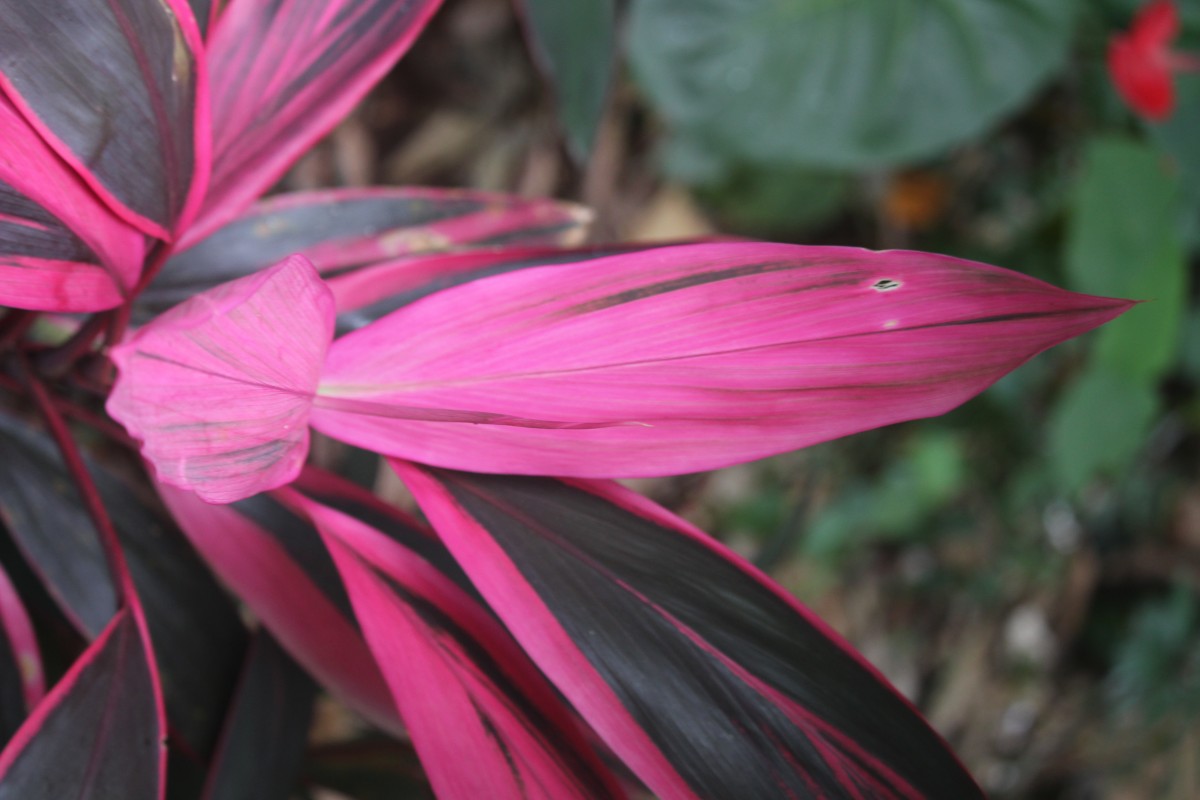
1026,567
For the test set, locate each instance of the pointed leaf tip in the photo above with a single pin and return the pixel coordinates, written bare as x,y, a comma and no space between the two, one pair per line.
686,358
219,388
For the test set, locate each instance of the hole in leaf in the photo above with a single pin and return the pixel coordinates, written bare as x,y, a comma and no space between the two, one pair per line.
885,285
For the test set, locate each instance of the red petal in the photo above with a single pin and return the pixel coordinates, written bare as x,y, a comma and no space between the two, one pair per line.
1142,78
1156,25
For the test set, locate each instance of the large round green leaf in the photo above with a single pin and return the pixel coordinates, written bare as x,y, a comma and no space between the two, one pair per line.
845,83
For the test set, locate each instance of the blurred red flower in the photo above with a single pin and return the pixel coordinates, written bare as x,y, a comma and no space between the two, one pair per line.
1141,61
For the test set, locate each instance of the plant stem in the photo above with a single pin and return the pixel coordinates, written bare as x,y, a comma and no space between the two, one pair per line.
57,362
120,321
14,325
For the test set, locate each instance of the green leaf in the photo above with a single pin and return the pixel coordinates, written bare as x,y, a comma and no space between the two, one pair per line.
1177,138
851,83
1125,206
899,505
771,202
1143,343
575,44
1124,241
1098,426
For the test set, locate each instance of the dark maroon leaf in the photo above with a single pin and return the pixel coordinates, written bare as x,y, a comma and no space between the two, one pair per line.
343,228
367,294
205,11
113,87
262,746
283,74
97,734
196,630
462,686
274,560
61,247
713,670
12,695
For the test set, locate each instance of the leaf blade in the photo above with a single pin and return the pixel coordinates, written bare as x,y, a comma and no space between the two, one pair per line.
848,84
460,684
117,89
61,249
197,629
266,732
283,74
576,47
342,228
684,358
276,563
98,732
667,663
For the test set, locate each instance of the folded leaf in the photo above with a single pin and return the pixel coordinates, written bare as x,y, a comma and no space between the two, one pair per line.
341,228
218,389
198,635
98,733
685,358
461,685
283,74
61,249
21,680
275,562
703,676
117,89
267,730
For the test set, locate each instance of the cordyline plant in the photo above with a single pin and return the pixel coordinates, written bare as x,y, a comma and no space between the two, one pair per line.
550,633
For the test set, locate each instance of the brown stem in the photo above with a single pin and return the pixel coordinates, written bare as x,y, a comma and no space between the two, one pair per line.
57,361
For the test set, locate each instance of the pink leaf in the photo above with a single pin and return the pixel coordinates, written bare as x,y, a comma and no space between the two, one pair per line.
685,358
117,88
462,687
275,562
364,295
61,249
219,388
283,74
